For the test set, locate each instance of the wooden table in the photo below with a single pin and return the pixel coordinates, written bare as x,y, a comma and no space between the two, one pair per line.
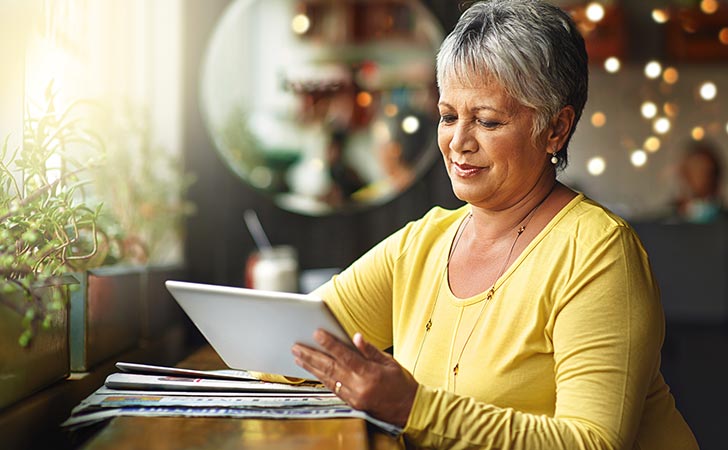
161,433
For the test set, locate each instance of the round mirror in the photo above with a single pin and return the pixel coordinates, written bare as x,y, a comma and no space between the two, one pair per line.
327,105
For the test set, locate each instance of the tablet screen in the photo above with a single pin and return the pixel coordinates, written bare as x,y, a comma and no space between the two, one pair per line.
253,329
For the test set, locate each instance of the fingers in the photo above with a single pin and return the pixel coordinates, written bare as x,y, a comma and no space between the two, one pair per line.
350,361
322,367
343,354
338,362
318,363
365,377
368,350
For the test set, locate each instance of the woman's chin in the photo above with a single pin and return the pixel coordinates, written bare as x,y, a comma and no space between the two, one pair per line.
466,192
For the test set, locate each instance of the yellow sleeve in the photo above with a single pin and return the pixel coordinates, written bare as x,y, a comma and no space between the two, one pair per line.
361,296
606,327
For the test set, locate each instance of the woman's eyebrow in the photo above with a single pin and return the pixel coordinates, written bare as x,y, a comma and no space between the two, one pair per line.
487,108
475,109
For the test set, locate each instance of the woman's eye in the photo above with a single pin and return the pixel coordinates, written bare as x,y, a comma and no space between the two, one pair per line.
489,123
447,118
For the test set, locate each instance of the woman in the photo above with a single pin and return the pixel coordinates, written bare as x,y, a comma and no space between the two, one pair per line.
528,318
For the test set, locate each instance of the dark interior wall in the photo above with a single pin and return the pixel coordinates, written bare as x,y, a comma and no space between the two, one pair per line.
218,243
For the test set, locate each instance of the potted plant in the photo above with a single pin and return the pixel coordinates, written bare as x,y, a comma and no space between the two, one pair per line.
92,203
47,230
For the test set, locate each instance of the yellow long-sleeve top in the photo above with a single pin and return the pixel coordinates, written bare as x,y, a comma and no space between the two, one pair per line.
565,355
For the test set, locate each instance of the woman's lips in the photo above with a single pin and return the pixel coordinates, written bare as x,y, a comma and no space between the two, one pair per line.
466,170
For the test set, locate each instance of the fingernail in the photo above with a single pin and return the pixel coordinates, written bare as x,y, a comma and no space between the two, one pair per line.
319,336
296,351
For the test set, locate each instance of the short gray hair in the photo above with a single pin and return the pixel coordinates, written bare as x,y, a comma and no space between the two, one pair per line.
533,49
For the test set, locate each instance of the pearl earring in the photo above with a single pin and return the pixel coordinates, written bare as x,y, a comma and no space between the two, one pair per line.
554,158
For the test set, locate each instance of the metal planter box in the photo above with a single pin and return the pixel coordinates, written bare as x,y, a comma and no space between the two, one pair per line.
159,311
105,315
25,370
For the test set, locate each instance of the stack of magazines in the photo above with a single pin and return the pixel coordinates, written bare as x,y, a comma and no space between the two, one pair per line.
154,391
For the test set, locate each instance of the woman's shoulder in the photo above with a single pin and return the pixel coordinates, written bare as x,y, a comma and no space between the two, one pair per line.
431,227
585,217
442,217
439,219
587,230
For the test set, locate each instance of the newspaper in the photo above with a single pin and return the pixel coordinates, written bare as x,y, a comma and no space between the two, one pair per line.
326,412
109,398
131,394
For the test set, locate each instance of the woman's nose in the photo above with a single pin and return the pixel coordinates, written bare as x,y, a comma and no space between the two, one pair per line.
462,139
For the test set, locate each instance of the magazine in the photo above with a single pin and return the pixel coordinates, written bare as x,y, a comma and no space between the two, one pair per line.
180,383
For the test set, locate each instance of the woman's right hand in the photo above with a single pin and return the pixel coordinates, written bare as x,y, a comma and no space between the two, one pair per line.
366,378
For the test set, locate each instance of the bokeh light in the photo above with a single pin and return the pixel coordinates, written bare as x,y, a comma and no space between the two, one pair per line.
300,23
653,69
709,6
410,124
598,119
697,133
390,110
596,166
708,90
662,125
648,110
670,75
723,36
638,158
612,64
595,12
652,144
364,99
660,15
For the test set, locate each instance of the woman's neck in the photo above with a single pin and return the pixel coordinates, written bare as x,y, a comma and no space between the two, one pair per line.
489,224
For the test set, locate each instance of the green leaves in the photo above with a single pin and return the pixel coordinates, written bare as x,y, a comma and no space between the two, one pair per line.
46,226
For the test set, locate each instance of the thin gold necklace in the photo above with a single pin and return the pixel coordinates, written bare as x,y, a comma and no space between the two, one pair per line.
489,295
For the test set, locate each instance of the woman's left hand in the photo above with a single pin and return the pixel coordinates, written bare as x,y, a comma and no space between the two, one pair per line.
366,378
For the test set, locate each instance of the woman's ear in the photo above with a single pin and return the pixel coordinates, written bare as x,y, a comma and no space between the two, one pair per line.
559,129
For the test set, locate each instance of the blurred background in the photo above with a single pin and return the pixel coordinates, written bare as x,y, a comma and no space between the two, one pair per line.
319,116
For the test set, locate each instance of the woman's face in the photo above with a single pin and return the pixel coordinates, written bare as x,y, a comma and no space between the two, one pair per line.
486,143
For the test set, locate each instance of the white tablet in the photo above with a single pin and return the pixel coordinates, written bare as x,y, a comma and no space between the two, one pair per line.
253,329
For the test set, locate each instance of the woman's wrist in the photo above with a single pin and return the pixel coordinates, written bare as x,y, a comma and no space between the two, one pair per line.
405,409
